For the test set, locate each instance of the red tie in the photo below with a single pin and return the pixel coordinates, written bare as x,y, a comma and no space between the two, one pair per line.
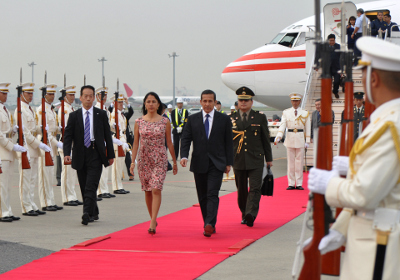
295,113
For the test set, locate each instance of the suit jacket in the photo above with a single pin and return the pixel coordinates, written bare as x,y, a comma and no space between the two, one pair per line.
255,141
335,58
74,133
177,120
315,121
218,147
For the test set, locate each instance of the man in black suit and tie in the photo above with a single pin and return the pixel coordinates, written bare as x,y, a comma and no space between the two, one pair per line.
212,156
89,131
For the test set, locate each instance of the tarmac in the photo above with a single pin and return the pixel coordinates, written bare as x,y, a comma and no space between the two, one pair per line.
31,238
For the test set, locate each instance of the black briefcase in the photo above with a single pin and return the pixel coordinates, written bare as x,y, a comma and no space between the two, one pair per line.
268,184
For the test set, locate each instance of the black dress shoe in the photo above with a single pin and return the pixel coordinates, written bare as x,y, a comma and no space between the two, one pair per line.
336,95
208,230
243,222
105,195
15,218
49,208
125,191
290,188
40,212
79,202
85,219
249,219
70,203
95,218
6,219
299,188
99,199
121,191
111,195
31,213
58,183
58,207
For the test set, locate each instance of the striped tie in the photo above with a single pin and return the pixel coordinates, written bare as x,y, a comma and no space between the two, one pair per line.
87,130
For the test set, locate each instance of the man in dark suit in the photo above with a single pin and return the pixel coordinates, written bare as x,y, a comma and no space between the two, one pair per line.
178,120
251,146
88,130
212,156
316,117
335,63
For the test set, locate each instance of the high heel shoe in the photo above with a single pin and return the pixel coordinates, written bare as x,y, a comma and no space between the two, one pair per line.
152,231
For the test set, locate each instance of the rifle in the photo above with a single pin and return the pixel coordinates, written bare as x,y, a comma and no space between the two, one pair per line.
48,160
121,152
103,92
24,155
311,269
62,99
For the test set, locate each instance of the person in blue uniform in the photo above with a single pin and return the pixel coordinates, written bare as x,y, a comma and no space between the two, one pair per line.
377,24
390,23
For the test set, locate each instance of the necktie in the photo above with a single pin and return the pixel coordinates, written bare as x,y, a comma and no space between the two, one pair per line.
358,110
295,113
87,131
207,125
244,119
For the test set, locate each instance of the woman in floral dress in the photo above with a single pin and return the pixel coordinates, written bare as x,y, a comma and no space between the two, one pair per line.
151,130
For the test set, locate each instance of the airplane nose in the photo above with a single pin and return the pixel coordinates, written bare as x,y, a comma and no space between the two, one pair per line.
239,73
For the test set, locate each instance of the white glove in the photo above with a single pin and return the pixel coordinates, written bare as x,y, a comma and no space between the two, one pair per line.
60,144
306,145
341,164
277,139
125,146
179,129
117,141
46,127
318,179
114,125
19,148
44,147
306,242
112,105
334,240
15,128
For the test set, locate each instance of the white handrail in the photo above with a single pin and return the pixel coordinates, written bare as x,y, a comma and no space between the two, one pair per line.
308,84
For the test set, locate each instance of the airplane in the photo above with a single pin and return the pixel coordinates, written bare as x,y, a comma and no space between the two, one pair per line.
138,100
282,66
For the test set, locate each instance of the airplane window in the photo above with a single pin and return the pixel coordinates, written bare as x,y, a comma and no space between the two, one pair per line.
301,40
277,38
288,39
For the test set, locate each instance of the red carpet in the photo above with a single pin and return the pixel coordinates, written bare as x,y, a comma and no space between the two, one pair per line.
177,251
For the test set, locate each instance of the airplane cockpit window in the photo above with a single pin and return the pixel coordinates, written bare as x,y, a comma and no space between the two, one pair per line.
277,38
301,40
288,39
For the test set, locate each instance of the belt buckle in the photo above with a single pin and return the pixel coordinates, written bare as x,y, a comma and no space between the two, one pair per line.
295,130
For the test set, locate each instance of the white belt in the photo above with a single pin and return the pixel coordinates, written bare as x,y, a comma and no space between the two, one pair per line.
368,214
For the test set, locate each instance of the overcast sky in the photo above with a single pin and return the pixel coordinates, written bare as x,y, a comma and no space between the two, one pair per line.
136,36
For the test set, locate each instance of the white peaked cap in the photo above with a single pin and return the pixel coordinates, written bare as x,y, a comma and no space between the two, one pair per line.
51,88
70,90
295,96
120,97
98,91
4,87
379,54
28,87
233,107
169,106
179,100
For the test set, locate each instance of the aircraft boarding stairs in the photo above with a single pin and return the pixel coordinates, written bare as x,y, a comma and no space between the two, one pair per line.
313,92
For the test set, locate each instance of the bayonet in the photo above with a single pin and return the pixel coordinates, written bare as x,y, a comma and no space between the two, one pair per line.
20,77
65,80
84,80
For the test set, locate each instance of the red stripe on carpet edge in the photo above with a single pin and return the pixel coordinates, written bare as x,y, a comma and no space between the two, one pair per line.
266,67
265,55
92,241
160,252
241,244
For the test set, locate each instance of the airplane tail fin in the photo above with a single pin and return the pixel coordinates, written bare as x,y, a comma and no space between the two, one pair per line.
128,90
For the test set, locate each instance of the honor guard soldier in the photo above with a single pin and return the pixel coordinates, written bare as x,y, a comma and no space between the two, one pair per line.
251,146
6,155
46,173
298,125
358,112
28,177
369,224
68,174
118,166
178,120
103,189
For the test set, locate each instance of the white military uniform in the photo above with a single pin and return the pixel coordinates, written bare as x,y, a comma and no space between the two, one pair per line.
373,179
68,174
28,177
117,167
46,173
103,185
6,156
295,141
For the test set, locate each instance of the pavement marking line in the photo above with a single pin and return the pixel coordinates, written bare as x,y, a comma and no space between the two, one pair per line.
142,251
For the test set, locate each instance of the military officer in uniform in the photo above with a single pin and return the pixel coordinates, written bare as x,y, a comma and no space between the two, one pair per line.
103,189
7,156
117,167
46,173
178,121
358,112
298,125
370,194
28,177
68,174
251,146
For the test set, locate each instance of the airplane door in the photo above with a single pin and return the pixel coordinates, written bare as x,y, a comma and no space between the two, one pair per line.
332,18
